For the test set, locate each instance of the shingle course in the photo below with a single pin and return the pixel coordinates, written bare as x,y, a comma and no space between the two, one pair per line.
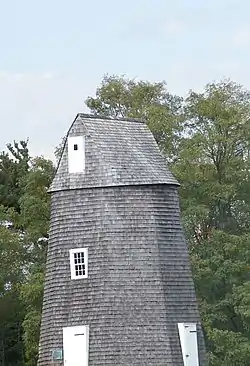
140,283
118,152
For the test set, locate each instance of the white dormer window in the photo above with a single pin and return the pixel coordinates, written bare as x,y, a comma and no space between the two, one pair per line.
78,263
76,154
189,345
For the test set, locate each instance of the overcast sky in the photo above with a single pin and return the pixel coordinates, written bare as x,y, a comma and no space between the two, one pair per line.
55,52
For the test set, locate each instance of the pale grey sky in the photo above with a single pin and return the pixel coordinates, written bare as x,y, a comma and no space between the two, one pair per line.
55,52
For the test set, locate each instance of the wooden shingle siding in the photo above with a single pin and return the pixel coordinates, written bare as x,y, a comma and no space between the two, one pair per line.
117,153
139,284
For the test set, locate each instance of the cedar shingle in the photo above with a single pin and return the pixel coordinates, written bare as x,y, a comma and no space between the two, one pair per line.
140,284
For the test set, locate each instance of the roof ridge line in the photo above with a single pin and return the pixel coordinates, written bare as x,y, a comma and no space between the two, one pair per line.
109,118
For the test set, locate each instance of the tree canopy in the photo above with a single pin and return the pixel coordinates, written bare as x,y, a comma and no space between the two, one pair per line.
206,140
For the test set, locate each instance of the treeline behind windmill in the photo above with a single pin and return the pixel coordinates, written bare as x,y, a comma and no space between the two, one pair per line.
206,140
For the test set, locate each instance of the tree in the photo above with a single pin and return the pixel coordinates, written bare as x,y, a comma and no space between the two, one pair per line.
217,150
31,295
11,309
213,169
24,219
34,219
221,267
14,165
151,102
206,140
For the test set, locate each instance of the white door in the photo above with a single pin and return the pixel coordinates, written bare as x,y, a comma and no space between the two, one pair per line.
76,154
75,345
189,345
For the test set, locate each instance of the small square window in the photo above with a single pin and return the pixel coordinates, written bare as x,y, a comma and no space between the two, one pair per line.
75,147
79,263
57,354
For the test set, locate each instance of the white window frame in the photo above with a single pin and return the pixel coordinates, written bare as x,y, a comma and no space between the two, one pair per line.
72,263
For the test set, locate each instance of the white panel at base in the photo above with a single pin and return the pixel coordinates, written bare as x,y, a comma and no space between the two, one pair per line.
189,346
76,154
76,346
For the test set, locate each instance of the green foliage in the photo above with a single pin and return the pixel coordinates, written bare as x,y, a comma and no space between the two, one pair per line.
59,149
13,166
120,97
34,220
206,139
31,295
24,211
34,202
11,308
216,153
213,169
231,348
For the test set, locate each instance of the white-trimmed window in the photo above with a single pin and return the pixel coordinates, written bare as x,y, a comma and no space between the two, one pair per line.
78,263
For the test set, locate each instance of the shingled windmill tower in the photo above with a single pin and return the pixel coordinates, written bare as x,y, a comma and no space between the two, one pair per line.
118,288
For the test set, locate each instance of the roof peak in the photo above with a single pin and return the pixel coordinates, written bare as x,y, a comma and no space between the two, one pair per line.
108,118
115,154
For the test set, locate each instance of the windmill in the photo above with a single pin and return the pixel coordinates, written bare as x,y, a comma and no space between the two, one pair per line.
118,286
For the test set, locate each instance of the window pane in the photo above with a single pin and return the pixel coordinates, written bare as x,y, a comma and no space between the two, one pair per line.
78,262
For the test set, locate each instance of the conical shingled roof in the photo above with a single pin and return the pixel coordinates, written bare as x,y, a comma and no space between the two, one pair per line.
118,153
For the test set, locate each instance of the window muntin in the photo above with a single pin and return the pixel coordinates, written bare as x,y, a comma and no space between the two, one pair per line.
79,263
